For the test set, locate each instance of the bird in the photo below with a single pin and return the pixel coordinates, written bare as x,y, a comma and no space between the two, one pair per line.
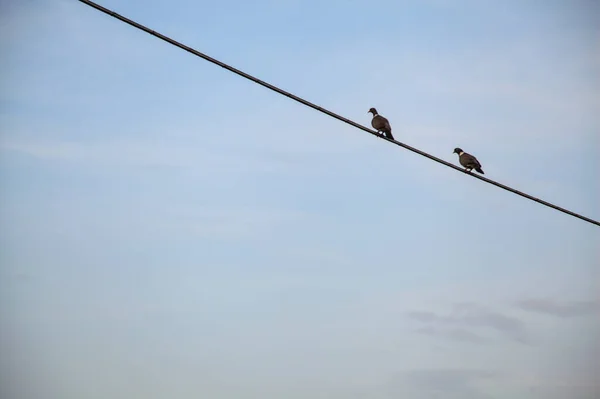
381,124
468,161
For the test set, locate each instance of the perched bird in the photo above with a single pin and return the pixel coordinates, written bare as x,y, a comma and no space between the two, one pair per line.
381,124
468,161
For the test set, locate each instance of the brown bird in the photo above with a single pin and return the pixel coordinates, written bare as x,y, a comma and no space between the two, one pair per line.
381,124
468,161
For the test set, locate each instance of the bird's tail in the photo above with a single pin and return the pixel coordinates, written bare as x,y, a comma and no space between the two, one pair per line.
389,135
480,170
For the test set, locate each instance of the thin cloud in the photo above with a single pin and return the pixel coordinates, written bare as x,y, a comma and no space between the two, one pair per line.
558,309
135,154
454,334
447,383
474,316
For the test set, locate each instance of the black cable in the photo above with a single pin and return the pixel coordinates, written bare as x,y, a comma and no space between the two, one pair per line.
325,111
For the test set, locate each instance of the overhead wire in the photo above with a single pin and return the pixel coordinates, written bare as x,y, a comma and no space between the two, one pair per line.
327,112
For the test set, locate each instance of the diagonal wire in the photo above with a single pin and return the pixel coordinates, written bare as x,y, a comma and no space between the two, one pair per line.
327,112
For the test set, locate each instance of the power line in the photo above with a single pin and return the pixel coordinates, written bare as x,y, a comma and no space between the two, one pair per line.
327,112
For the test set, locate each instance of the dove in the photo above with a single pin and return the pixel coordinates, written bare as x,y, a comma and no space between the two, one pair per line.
468,161
381,124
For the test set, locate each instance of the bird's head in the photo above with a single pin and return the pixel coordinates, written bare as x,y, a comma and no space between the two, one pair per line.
373,111
457,151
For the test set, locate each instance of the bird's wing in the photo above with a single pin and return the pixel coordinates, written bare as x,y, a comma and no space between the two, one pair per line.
388,126
471,160
385,123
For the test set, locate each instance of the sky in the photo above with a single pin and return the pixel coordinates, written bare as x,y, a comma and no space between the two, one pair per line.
171,230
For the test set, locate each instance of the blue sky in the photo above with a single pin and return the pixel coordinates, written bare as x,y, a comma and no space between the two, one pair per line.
169,229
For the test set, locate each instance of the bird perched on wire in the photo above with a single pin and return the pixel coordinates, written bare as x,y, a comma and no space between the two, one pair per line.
381,124
468,161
